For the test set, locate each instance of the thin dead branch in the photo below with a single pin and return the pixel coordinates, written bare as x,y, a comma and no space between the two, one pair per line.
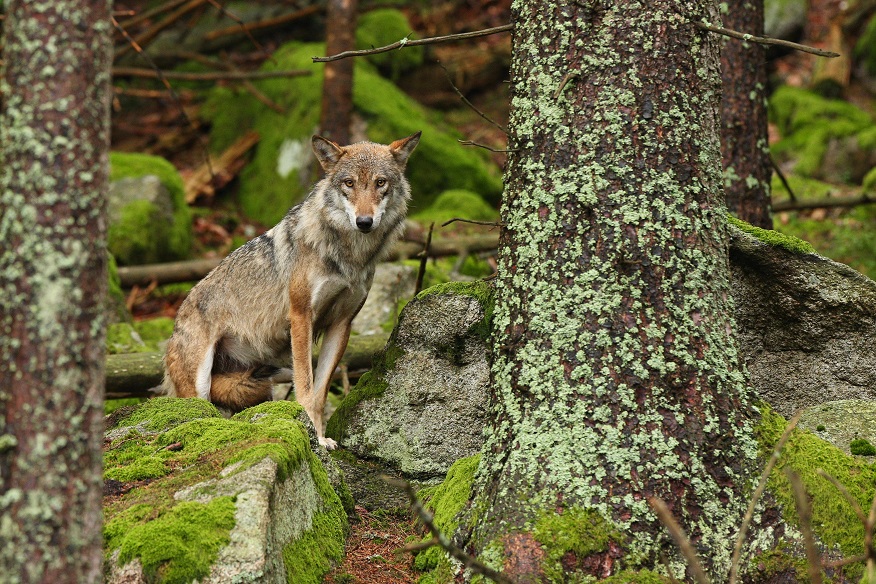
472,221
424,259
215,174
782,178
468,561
498,150
144,38
147,14
405,42
755,497
465,100
251,27
764,40
206,75
681,540
826,203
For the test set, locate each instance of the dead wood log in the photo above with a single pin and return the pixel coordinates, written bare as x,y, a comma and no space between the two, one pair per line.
207,75
218,172
138,374
194,270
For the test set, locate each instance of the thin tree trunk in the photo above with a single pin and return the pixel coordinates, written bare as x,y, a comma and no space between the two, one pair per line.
54,137
337,89
744,140
616,375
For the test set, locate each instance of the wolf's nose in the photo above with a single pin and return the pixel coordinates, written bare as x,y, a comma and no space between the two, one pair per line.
364,223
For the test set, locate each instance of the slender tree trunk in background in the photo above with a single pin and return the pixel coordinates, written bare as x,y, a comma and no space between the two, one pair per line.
54,137
744,140
616,375
337,88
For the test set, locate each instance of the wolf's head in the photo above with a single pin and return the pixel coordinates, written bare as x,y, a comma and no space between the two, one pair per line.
366,181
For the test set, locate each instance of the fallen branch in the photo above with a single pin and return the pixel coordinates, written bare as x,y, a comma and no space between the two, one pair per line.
207,75
828,203
138,374
764,40
216,173
405,42
194,270
263,24
144,38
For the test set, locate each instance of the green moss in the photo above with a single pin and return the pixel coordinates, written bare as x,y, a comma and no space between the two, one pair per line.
143,234
809,122
780,563
772,237
327,536
121,337
180,544
154,330
111,405
202,444
446,501
281,171
865,49
833,520
640,577
575,532
482,291
383,27
862,447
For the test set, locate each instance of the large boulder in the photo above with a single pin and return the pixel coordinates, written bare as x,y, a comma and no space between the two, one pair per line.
193,496
806,325
149,220
423,405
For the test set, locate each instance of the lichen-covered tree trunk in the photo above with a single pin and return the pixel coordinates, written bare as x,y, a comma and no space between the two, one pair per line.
54,137
616,375
744,140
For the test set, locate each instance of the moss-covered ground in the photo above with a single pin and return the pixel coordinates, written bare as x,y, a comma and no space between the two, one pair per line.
158,447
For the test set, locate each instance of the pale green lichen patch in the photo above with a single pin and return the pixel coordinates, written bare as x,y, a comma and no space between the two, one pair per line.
834,521
788,242
180,442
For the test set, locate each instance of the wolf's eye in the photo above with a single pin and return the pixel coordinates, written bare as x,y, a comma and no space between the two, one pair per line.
381,182
349,183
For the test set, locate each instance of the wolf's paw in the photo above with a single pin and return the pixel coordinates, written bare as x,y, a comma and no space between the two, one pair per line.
328,443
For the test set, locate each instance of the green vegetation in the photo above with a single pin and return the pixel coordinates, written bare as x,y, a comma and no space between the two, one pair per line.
771,237
282,169
176,443
862,447
482,291
382,27
833,519
572,535
142,232
456,203
143,336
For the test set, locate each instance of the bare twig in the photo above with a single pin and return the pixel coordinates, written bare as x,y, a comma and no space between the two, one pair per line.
147,14
467,102
153,31
468,561
470,143
241,25
461,220
804,514
413,548
681,540
251,27
755,497
205,76
763,40
782,178
424,259
416,43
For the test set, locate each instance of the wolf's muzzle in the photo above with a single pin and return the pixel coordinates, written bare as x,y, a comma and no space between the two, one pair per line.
364,223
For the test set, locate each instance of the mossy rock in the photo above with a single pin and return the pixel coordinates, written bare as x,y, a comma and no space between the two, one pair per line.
217,500
382,27
144,336
865,48
116,309
282,169
827,139
146,225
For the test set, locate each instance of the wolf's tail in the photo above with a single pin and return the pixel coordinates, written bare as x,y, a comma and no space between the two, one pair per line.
239,390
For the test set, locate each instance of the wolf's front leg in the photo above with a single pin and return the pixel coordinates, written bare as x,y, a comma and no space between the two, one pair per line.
334,344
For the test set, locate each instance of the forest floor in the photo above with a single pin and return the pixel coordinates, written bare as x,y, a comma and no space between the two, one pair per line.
372,550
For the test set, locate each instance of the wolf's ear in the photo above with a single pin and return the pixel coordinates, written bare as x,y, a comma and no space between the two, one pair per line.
327,152
401,149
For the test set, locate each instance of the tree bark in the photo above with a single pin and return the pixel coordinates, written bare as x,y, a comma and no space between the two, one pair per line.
337,88
744,140
54,138
616,375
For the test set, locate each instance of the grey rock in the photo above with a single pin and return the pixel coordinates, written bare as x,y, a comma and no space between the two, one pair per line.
807,325
434,407
392,284
144,188
840,422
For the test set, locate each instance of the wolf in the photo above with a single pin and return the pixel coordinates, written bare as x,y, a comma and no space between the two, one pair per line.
264,305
